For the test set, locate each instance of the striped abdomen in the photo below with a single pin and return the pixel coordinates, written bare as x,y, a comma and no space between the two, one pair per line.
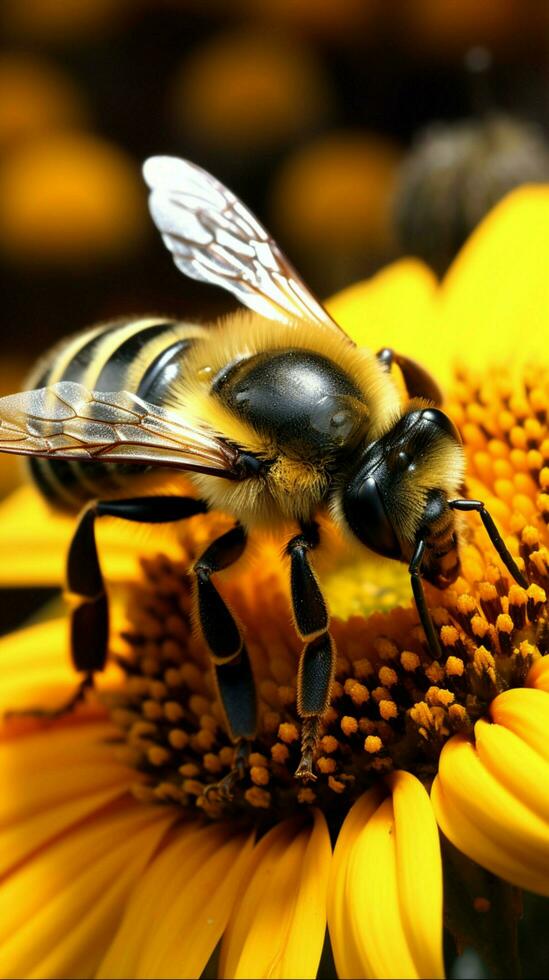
143,355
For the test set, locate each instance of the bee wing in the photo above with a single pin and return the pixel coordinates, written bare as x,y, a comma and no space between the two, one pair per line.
215,239
66,421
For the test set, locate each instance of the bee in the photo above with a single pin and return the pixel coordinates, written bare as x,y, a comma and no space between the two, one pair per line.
274,415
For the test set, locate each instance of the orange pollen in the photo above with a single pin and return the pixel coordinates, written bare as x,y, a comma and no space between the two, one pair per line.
372,744
454,667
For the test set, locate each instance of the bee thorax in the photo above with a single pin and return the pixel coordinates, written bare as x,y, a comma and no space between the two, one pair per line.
302,402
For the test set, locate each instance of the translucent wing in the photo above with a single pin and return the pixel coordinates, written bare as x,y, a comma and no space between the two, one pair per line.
215,239
66,421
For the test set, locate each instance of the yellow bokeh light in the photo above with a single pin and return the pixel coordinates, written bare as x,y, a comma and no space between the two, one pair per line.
69,198
246,89
447,27
336,192
322,18
35,97
60,20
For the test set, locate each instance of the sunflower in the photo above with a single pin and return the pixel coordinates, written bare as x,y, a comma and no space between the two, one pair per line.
119,856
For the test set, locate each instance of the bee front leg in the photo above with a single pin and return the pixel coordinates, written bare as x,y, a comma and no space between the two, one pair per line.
317,662
414,569
86,587
222,635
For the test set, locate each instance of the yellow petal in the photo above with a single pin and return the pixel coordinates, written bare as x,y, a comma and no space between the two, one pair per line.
278,927
397,308
20,840
465,834
515,764
34,649
52,780
524,711
385,899
471,790
366,310
60,910
34,540
36,669
373,900
185,937
265,858
184,855
56,765
419,872
346,953
496,294
538,676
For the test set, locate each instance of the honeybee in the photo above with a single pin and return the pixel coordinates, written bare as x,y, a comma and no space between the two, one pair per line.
274,415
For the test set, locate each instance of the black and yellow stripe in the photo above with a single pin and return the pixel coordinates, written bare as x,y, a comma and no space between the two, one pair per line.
143,355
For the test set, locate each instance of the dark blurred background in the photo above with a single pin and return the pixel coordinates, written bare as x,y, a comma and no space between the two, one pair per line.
308,109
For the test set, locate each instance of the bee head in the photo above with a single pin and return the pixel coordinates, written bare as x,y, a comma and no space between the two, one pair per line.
385,497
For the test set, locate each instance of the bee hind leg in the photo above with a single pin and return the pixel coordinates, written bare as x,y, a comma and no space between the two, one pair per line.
225,787
317,661
232,668
89,628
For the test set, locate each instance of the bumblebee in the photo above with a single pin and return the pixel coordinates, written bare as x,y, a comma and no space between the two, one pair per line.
274,415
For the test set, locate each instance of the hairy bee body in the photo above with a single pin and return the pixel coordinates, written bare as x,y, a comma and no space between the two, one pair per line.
295,398
145,355
279,394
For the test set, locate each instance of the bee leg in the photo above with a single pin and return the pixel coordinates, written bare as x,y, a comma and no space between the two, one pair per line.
233,672
414,569
317,661
419,382
85,585
50,714
494,535
225,787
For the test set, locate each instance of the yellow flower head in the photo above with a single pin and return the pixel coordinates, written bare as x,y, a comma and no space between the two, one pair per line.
122,858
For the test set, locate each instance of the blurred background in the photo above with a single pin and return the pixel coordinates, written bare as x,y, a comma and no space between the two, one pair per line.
358,131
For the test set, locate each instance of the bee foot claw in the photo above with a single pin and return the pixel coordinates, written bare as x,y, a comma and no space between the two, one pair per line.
216,793
224,789
304,771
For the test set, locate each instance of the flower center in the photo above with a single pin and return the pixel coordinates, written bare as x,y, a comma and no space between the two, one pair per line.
392,705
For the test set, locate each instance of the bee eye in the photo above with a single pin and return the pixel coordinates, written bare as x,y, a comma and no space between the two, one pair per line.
403,461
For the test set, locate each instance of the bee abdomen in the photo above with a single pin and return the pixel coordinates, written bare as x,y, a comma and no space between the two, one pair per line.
143,355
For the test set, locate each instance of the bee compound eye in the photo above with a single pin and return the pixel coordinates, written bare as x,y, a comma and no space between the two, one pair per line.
365,511
434,416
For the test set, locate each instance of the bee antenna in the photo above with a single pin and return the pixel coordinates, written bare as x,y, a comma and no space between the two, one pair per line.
494,535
